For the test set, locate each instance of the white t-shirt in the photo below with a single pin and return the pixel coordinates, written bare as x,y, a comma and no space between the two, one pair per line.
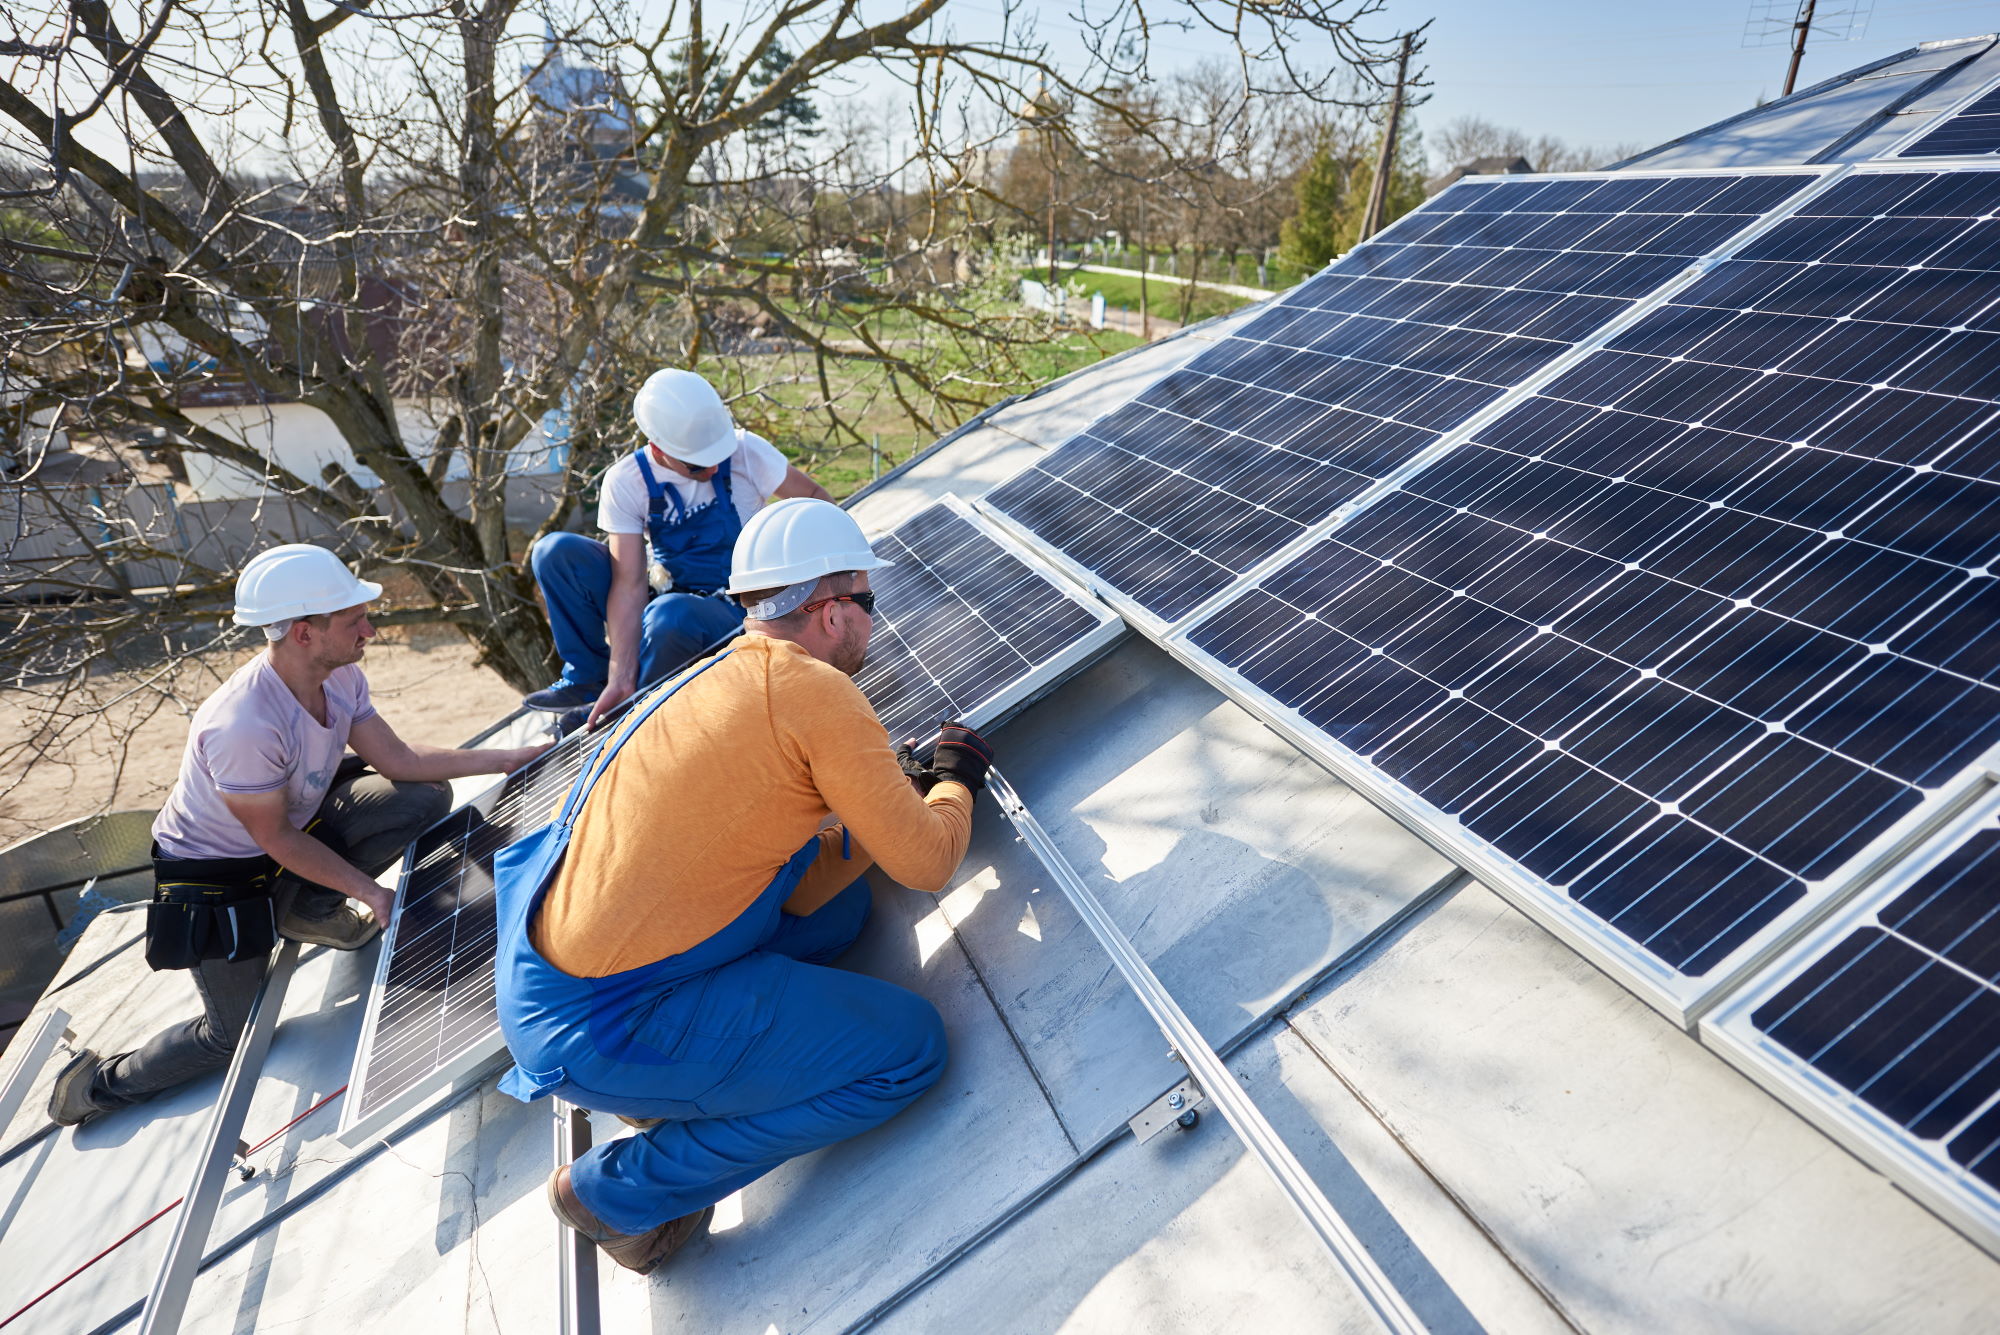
755,471
253,736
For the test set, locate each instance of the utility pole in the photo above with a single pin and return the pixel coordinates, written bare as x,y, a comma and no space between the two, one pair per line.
1055,184
1145,310
1799,31
1385,164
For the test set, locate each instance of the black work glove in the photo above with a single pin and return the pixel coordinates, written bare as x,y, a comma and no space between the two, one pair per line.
962,755
920,774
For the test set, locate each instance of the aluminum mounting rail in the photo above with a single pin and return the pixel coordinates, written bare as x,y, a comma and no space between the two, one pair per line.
1244,1118
166,1304
34,1053
576,1254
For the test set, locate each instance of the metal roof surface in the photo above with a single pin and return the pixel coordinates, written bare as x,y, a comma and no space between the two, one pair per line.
1521,1144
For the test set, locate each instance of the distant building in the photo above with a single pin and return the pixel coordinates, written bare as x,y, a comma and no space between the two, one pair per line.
584,127
1497,165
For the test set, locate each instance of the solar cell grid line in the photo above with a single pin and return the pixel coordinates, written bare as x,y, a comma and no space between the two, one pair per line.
434,980
967,626
1973,129
1348,378
1883,1024
1693,633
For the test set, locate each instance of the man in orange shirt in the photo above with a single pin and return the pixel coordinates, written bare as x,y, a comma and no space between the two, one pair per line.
664,942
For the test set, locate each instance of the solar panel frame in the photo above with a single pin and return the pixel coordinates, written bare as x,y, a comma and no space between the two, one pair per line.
1975,118
1042,675
473,1059
357,1119
1140,617
1681,998
1922,1167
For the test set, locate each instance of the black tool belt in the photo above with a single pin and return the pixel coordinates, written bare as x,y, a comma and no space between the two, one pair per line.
210,909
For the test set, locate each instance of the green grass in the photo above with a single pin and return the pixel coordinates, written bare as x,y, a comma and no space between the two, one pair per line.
1164,299
787,394
1215,268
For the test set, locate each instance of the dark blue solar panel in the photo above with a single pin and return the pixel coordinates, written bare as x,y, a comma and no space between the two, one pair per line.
1973,130
1685,630
958,621
436,998
1904,1011
1351,375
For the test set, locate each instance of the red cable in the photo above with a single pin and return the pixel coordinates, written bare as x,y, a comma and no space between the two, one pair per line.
295,1121
163,1212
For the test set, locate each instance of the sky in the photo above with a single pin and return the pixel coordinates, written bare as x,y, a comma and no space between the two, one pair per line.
1592,72
1616,71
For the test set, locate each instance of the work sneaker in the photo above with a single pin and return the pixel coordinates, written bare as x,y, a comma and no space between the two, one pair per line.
643,1252
561,696
71,1103
571,720
346,928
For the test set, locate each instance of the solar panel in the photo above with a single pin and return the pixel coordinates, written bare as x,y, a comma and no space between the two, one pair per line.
1349,377
431,1018
1975,129
1884,1024
1677,644
967,626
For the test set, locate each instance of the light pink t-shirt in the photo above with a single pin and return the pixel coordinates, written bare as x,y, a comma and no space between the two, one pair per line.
253,736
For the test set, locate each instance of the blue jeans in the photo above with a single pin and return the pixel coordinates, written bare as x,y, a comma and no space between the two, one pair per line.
751,1049
574,573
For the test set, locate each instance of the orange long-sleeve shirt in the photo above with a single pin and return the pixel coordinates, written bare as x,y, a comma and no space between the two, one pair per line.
716,791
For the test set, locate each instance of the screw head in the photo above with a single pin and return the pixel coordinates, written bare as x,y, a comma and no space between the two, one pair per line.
1177,1100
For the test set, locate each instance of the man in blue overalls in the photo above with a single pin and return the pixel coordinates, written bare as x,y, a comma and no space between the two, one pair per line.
664,943
670,512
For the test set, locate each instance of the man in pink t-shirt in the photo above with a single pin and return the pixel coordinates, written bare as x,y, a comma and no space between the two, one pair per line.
271,828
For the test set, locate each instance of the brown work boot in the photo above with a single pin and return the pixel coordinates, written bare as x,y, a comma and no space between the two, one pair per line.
70,1103
346,928
643,1252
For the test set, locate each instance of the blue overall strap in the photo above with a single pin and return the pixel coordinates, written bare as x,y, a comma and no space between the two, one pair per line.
621,732
659,495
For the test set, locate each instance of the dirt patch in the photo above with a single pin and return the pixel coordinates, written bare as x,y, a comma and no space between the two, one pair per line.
421,678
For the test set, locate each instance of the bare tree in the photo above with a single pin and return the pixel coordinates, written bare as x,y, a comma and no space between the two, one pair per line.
345,273
1467,137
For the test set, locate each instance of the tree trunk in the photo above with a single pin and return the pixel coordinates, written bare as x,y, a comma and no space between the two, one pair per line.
511,633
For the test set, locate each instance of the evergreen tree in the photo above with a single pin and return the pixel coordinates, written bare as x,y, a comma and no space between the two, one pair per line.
1311,237
1406,188
796,114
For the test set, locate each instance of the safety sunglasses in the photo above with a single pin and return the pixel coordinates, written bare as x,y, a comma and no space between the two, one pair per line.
864,601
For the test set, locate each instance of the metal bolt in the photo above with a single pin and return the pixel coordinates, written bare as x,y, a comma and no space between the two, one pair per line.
1177,1100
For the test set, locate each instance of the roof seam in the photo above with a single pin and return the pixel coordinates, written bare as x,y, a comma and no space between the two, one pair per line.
1458,1202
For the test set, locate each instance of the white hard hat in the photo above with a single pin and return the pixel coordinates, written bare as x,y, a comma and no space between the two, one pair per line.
297,580
682,414
792,541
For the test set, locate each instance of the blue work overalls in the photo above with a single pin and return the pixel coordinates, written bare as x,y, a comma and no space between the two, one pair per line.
752,1051
574,573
